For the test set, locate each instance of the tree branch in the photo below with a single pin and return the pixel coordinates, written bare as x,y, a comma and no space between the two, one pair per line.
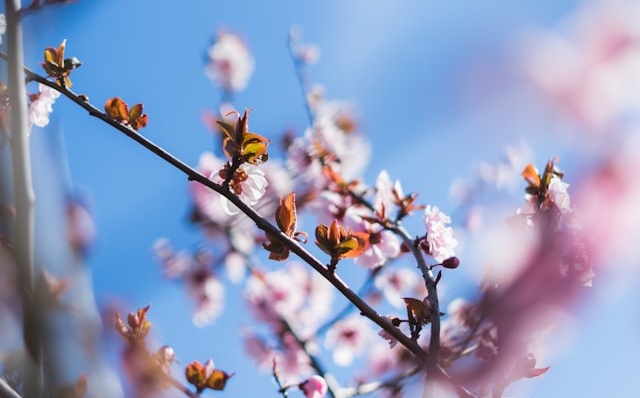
193,175
24,199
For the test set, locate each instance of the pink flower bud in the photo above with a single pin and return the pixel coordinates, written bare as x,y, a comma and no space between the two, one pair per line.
314,387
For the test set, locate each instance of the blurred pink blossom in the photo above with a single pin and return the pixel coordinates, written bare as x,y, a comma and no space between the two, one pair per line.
589,71
314,387
348,338
291,293
230,62
396,284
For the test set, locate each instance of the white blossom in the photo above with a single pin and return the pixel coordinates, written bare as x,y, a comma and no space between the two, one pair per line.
42,106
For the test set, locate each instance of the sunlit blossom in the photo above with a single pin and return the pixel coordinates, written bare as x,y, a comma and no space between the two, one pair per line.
230,62
439,236
42,106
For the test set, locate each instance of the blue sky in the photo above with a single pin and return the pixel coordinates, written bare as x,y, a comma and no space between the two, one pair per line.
425,76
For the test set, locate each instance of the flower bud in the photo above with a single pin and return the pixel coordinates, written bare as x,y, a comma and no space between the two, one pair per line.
451,263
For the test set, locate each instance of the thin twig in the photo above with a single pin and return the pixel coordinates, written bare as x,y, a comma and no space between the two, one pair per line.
374,386
303,81
24,199
284,390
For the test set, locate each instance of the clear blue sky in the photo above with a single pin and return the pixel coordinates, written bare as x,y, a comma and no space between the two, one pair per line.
410,66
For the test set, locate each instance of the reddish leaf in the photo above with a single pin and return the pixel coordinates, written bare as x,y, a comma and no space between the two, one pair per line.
117,109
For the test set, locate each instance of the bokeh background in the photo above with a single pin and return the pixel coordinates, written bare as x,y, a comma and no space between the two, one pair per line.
439,86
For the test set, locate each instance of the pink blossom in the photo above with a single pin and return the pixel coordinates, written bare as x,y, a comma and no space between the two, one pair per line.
387,336
251,189
383,245
386,192
314,387
348,338
439,236
230,62
42,106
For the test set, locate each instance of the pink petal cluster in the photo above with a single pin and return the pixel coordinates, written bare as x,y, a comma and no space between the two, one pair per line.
314,387
42,106
230,62
439,236
383,245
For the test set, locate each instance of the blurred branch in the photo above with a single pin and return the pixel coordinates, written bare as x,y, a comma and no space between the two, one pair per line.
6,391
39,4
181,387
24,199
